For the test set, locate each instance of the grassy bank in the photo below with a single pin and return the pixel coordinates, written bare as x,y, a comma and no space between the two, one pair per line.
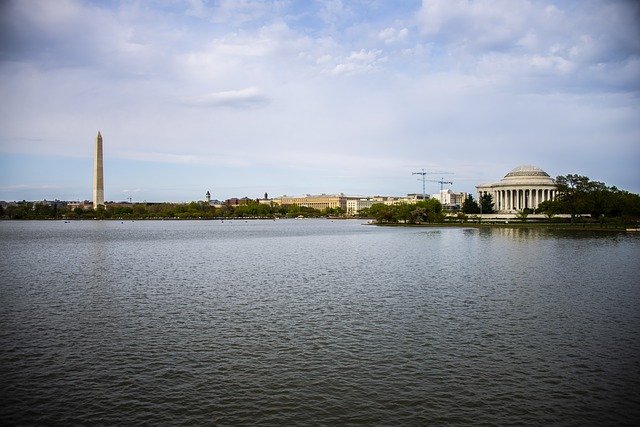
519,225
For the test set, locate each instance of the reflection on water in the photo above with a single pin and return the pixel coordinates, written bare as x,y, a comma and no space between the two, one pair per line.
316,322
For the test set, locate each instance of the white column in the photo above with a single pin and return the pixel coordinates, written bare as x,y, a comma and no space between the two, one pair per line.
520,199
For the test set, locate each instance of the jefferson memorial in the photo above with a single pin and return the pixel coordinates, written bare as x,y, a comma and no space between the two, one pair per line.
524,187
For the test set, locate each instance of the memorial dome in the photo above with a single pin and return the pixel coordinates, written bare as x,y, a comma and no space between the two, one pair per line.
527,174
526,170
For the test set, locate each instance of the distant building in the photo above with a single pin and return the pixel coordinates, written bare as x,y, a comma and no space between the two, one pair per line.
84,205
450,199
408,199
234,201
525,187
356,205
320,202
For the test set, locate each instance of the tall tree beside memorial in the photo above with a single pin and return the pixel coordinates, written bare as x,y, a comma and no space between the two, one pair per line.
470,206
486,203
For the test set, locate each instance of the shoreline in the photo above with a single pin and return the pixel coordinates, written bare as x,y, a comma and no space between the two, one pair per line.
528,226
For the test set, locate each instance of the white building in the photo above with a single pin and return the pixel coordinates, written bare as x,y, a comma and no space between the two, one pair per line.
524,187
355,205
449,198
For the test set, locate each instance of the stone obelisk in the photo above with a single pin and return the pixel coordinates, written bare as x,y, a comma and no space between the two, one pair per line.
98,177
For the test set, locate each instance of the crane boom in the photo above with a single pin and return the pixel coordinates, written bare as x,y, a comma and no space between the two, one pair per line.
424,174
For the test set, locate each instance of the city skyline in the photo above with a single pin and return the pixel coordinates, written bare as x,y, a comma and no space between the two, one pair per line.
293,97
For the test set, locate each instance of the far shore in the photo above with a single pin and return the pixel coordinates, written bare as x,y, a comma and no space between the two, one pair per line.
520,225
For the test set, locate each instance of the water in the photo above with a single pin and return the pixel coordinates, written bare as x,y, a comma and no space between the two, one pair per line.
316,322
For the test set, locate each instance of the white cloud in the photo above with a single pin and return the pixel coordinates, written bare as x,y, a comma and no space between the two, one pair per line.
524,39
358,62
242,98
391,35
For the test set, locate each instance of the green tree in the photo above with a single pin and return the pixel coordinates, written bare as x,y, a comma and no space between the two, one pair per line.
470,206
550,208
571,193
382,213
486,204
523,214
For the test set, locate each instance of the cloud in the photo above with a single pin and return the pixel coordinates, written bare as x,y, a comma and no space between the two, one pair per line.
358,62
29,187
243,98
391,35
535,38
181,159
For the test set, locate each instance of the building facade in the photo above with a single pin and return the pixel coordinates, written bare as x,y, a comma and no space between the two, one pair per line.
450,199
356,205
320,202
525,187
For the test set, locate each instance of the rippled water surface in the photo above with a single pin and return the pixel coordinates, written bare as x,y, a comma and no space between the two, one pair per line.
316,322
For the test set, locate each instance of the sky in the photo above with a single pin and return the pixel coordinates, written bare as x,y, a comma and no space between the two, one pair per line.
294,97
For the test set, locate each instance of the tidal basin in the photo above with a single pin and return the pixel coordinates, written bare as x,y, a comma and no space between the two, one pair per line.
316,322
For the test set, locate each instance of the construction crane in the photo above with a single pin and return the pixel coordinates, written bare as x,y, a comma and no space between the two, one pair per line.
442,182
424,180
424,174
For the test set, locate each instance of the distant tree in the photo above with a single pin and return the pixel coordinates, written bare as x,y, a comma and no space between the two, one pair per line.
523,214
403,212
486,203
470,206
382,213
550,208
335,212
577,195
571,193
429,210
364,213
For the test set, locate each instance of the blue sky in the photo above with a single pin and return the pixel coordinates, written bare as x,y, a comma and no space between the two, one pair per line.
293,97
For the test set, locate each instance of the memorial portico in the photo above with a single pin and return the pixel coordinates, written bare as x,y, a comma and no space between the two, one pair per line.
525,187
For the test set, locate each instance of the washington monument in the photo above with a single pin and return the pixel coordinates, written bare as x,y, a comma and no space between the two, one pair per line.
98,177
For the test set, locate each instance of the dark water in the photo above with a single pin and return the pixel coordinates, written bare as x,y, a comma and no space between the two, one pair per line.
316,322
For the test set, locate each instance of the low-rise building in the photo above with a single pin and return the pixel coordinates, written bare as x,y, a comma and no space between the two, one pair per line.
85,205
449,199
354,205
319,202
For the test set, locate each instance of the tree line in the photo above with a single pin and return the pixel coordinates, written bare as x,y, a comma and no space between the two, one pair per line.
579,195
424,211
192,210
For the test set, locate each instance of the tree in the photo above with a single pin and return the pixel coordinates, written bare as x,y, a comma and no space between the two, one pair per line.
470,206
571,192
486,203
382,213
523,214
404,212
550,208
